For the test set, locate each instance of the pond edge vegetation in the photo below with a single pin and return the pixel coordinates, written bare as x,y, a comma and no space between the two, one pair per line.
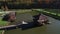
51,14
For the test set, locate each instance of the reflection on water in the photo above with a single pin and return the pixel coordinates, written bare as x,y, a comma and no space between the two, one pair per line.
53,28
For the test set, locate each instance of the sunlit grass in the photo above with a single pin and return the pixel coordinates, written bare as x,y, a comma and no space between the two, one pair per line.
2,23
53,13
58,14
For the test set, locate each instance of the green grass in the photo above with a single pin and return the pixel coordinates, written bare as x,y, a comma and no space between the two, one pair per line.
2,23
29,12
53,12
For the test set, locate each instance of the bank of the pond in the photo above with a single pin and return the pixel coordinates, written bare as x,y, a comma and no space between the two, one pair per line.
2,23
51,14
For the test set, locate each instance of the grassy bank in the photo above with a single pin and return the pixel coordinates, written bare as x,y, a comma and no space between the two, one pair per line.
2,23
51,13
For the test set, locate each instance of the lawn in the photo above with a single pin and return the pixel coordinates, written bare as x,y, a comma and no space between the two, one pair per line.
2,23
